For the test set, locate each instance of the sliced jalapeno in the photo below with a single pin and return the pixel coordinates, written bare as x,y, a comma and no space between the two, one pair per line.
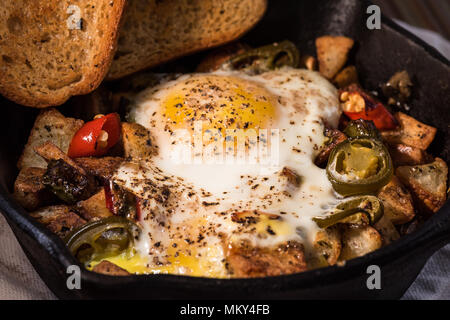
360,210
102,238
359,166
362,129
266,58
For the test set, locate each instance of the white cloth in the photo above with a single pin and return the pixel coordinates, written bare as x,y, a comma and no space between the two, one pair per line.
18,280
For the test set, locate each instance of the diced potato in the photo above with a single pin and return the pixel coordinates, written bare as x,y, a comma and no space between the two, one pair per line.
52,126
427,182
410,132
346,77
332,53
387,230
29,190
49,151
397,202
357,242
403,155
327,247
137,141
58,219
110,269
94,207
246,261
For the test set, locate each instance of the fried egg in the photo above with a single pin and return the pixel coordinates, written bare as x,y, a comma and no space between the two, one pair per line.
229,144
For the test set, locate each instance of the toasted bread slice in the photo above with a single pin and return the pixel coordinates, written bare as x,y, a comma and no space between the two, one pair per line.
52,50
154,32
50,126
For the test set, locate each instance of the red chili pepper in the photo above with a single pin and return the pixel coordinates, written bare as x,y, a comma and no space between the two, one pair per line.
138,209
86,143
109,197
372,110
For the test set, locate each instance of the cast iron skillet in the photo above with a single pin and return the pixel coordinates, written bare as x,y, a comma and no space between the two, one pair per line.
377,56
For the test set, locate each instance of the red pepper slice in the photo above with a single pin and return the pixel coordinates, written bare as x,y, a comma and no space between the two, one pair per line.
372,109
138,209
109,198
85,142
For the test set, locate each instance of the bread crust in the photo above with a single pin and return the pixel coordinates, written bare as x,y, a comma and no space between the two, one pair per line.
175,28
43,62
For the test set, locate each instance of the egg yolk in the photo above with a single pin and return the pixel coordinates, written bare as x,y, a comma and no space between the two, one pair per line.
220,102
177,263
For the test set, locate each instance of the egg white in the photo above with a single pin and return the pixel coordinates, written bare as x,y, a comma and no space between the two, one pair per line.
188,206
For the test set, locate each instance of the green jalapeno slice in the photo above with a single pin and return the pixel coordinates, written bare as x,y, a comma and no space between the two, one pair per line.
359,166
362,129
360,211
102,238
266,58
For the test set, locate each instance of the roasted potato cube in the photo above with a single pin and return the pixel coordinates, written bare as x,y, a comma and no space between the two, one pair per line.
64,177
357,242
52,126
332,53
403,155
246,261
137,141
58,219
327,247
94,207
397,202
103,168
29,190
410,132
110,269
346,77
428,183
387,230
49,151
